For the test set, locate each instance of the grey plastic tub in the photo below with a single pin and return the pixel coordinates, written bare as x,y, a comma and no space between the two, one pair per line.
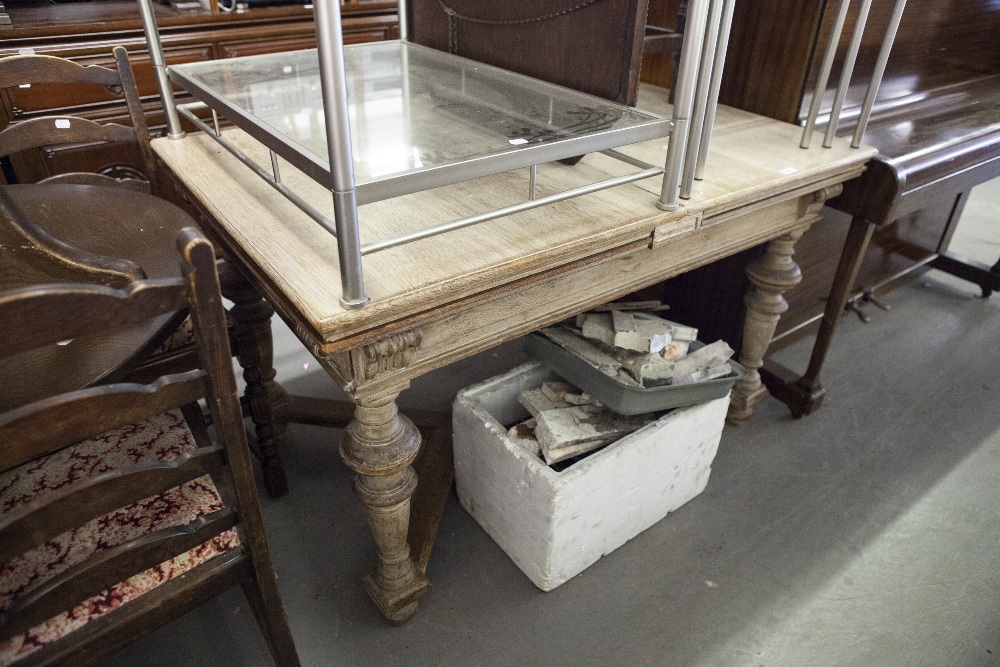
623,398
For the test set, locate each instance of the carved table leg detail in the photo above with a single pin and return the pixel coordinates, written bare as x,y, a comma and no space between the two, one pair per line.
254,348
379,445
771,276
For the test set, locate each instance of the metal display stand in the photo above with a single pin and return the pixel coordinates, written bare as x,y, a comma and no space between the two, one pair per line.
380,120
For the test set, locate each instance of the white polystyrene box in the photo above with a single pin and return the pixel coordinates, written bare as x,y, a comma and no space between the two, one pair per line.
556,524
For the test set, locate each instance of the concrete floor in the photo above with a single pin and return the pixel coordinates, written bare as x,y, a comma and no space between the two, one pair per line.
865,534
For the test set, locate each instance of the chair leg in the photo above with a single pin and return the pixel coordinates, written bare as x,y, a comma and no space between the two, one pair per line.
254,349
270,616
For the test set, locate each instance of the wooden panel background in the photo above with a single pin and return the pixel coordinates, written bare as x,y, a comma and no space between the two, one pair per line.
596,48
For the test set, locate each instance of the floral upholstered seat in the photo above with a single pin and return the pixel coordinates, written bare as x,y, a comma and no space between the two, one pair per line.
162,437
181,338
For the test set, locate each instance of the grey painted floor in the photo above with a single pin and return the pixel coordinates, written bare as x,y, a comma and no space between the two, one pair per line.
865,534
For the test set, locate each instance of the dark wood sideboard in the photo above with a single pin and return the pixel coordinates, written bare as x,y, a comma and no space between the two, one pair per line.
86,32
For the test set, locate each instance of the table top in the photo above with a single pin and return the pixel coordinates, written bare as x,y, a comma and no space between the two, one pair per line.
752,159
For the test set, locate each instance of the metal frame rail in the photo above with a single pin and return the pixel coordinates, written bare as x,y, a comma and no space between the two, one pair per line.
273,179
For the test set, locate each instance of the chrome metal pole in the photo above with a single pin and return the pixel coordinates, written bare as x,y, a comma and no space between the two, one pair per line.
721,48
845,75
404,26
274,167
687,73
461,223
174,129
333,78
824,72
701,97
880,63
306,207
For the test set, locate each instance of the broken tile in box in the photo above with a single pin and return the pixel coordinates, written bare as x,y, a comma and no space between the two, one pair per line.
710,356
570,431
536,402
556,391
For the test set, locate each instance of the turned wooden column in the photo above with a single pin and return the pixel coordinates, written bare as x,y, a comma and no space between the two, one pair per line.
253,346
771,276
379,445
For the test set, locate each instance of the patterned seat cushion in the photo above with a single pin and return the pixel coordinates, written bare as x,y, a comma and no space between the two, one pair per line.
162,437
182,337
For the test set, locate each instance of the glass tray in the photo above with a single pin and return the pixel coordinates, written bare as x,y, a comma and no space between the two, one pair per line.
419,118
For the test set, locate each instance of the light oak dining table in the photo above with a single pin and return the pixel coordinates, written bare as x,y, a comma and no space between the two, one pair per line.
445,298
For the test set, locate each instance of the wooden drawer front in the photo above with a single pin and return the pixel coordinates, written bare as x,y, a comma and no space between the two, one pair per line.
94,101
257,47
374,35
305,41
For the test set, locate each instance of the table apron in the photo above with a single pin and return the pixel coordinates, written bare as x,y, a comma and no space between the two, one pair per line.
412,347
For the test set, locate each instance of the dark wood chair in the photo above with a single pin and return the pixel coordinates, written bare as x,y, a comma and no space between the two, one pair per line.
250,335
64,233
118,512
35,133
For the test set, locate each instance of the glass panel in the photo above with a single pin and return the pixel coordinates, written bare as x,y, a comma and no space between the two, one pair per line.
411,107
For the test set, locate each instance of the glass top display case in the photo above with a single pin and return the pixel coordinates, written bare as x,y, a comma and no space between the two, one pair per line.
375,121
419,118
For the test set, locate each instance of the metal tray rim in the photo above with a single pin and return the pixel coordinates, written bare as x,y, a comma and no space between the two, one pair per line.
623,398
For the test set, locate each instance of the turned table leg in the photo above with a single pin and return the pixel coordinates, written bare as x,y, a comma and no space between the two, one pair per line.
771,276
379,445
254,349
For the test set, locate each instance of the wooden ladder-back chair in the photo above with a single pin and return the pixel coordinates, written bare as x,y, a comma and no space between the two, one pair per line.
118,513
250,337
34,133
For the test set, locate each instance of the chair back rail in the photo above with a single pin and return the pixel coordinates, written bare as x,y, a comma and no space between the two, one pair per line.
66,310
117,564
19,70
52,130
60,130
36,523
195,588
39,429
